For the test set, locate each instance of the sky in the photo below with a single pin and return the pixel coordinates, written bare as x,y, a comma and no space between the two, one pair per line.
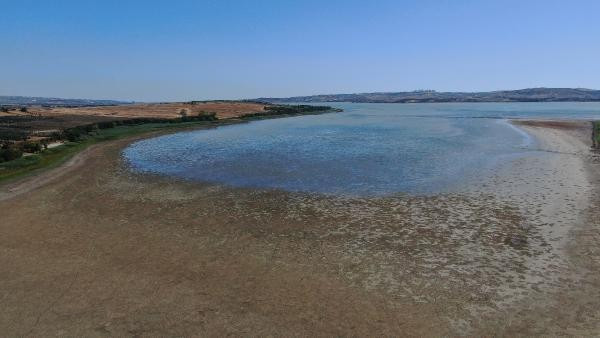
183,50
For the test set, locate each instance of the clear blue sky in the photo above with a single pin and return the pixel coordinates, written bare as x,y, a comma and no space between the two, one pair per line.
179,50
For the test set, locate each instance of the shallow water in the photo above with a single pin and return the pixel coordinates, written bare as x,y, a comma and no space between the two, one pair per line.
369,149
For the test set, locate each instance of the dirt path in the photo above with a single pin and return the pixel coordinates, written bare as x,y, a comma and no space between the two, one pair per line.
30,183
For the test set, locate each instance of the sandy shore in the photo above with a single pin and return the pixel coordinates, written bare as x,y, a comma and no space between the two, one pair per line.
557,191
103,251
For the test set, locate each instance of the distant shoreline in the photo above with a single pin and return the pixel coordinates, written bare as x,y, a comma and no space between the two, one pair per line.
422,102
432,96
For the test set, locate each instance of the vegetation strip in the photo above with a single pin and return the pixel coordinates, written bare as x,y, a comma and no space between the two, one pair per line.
13,165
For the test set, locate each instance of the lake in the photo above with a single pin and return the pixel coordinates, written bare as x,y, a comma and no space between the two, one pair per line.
367,150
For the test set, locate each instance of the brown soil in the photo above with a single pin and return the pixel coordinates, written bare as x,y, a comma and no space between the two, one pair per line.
99,250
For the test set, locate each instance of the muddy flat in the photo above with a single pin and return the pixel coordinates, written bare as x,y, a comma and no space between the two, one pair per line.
101,251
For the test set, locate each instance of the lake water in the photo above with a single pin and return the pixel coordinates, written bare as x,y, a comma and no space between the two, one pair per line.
369,149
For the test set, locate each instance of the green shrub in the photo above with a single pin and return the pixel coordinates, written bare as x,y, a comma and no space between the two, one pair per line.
32,147
74,134
9,153
202,116
207,116
106,125
273,110
55,136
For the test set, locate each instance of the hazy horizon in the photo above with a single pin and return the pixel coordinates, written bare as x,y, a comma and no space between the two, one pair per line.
153,51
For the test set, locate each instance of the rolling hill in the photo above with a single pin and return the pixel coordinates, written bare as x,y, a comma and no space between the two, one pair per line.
54,102
424,96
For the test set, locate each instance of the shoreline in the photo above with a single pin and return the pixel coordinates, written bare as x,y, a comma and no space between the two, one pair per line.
29,177
89,129
561,192
120,253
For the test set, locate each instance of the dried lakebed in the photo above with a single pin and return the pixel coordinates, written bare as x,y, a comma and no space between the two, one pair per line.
105,250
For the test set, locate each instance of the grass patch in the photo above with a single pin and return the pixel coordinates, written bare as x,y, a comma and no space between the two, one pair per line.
53,157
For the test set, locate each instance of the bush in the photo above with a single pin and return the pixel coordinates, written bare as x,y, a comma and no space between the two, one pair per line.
106,125
55,136
207,116
202,116
298,109
9,153
32,147
273,110
23,109
4,109
88,128
74,134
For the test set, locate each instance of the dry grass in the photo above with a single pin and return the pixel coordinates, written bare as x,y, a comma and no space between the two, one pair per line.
154,110
42,119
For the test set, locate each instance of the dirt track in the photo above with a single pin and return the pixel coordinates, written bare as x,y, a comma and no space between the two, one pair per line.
99,251
16,188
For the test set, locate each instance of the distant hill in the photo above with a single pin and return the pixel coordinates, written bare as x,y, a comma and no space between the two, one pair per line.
425,96
55,102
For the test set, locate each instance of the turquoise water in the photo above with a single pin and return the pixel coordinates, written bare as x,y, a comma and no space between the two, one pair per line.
369,149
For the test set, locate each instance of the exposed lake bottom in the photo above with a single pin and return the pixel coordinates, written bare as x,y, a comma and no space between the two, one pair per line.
515,254
494,257
477,221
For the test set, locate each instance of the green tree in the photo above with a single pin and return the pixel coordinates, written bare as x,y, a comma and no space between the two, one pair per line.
32,147
9,152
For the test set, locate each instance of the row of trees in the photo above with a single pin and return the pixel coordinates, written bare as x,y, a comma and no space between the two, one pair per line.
14,142
273,110
80,132
11,151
